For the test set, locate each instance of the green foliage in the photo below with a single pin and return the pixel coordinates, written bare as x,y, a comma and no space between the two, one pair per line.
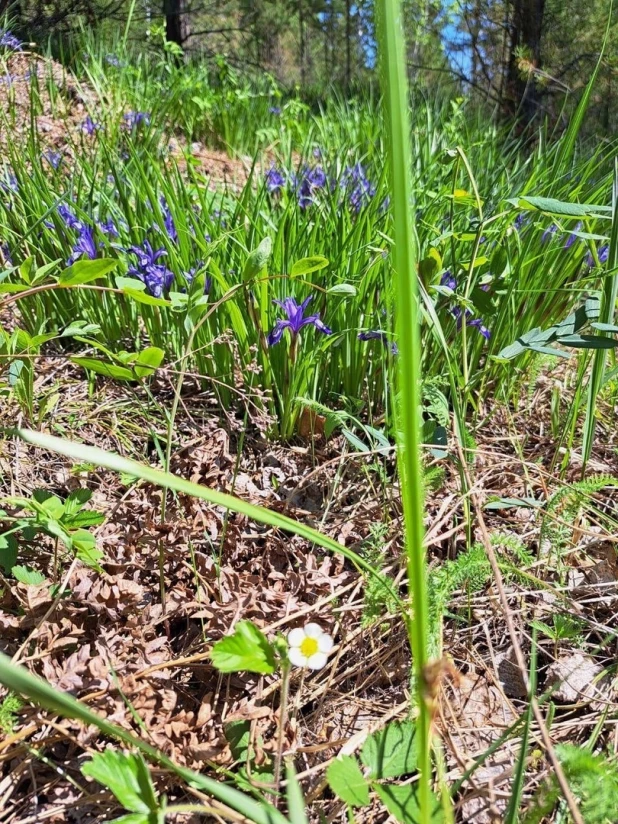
593,779
66,521
346,780
564,507
377,597
246,650
388,753
392,751
128,778
9,708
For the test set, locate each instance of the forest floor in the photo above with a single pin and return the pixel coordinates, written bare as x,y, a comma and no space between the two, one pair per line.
128,643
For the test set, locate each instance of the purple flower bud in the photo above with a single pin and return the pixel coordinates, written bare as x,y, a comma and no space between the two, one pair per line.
551,230
85,245
68,218
133,120
602,254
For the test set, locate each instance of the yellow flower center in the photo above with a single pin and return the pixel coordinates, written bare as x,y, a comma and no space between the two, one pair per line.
309,647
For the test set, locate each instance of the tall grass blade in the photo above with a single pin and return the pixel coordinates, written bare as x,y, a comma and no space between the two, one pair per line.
395,90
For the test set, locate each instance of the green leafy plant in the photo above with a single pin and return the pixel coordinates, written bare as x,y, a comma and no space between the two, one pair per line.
387,754
593,778
67,522
128,778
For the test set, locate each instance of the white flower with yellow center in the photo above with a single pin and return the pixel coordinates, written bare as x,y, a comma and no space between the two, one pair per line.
309,646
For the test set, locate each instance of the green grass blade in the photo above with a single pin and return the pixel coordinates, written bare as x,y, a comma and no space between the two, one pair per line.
395,90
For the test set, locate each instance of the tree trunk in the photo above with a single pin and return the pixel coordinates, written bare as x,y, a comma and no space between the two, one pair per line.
176,21
522,92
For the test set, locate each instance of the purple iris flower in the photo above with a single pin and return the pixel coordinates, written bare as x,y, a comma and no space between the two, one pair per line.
108,227
6,254
276,110
447,279
602,254
372,334
53,158
68,218
135,119
85,245
307,183
275,180
519,221
551,230
168,221
112,60
9,41
89,126
572,237
317,153
295,321
156,276
360,190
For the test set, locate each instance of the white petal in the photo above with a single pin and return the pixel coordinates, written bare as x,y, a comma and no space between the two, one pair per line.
317,661
296,637
313,630
325,643
297,658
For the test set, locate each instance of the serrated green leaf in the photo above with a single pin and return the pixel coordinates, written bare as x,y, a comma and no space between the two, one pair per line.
84,271
309,264
347,781
26,575
391,752
85,547
76,500
126,776
402,802
247,650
